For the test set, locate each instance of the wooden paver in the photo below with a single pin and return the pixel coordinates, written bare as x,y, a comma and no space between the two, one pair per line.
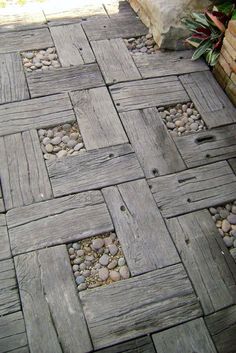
22,170
140,228
209,99
194,189
139,345
152,143
72,45
232,163
208,146
58,221
115,60
168,63
35,114
94,169
143,304
97,118
25,40
162,91
222,326
64,80
210,267
9,297
192,336
5,252
12,79
12,334
54,322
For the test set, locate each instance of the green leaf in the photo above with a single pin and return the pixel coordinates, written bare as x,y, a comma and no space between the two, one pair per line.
234,15
200,18
204,45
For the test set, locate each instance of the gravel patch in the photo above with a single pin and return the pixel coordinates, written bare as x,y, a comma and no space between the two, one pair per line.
61,141
41,60
142,45
182,119
97,261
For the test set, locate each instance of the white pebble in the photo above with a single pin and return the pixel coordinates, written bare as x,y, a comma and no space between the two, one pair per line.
61,154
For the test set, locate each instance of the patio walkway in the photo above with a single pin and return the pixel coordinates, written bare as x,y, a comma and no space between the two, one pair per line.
99,138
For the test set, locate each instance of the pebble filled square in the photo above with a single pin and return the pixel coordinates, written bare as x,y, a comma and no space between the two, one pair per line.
142,45
97,261
40,60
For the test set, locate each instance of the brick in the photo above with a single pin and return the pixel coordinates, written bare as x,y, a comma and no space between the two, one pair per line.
220,75
229,59
231,39
229,48
225,65
232,27
231,91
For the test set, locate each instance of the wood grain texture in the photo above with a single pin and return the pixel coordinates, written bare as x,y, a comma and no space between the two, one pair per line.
209,265
115,61
25,40
152,143
5,252
232,163
209,99
97,118
222,326
9,297
35,114
194,189
143,235
208,146
22,170
192,336
168,63
139,345
13,86
162,298
148,93
64,80
72,45
2,207
12,333
58,221
93,170
55,322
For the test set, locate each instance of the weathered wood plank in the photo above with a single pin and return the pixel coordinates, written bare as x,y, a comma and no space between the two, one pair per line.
168,63
22,170
72,45
94,169
2,207
35,114
97,118
12,79
208,146
166,294
139,345
209,265
232,163
194,189
222,326
152,143
115,60
192,336
12,333
148,93
64,80
143,235
25,40
209,99
5,252
9,297
58,221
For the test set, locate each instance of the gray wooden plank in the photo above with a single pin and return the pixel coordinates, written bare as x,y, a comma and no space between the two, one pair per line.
9,297
192,336
144,304
94,169
209,98
25,40
35,114
64,80
194,189
139,345
222,326
152,143
58,221
115,60
97,118
145,240
72,45
232,163
12,79
5,252
12,333
2,207
208,146
22,170
209,265
168,63
148,93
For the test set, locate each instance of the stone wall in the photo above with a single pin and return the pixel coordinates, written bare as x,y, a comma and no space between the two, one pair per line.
225,69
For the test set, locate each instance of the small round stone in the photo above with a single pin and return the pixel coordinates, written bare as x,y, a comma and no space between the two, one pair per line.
121,261
225,226
56,140
65,139
46,141
194,126
71,251
170,125
114,276
78,260
103,273
78,146
80,252
112,264
49,147
98,243
61,154
228,241
124,272
104,260
233,210
75,267
82,267
29,55
76,246
113,249
232,218
71,143
213,211
82,287
224,213
80,279
86,273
